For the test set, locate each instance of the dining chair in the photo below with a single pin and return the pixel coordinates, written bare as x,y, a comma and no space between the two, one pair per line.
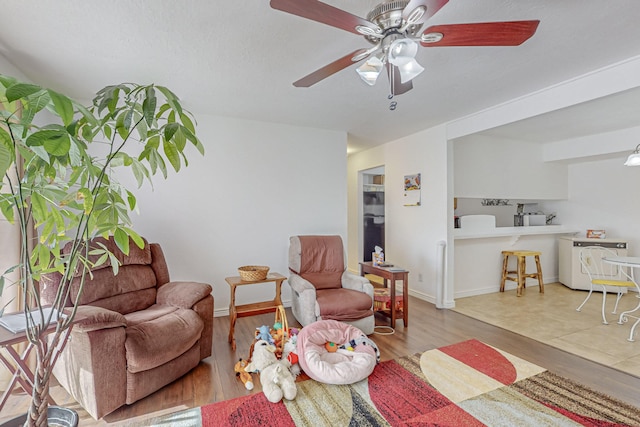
602,275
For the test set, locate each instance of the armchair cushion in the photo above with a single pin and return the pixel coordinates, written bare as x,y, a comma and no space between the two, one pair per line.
130,278
343,304
156,342
151,313
321,260
182,294
90,318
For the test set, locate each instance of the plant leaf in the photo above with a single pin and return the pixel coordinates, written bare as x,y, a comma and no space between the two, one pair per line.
21,90
186,121
149,105
6,152
170,130
171,152
122,240
63,106
39,206
59,146
84,194
172,99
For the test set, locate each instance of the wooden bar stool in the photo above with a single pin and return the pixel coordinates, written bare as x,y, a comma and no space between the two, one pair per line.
521,270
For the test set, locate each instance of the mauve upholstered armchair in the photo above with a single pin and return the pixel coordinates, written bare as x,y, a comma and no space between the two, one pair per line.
137,332
321,286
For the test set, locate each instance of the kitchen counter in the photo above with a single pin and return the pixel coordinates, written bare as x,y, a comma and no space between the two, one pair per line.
515,232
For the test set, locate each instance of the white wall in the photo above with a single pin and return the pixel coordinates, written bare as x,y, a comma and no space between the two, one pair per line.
8,69
412,232
257,184
500,168
603,194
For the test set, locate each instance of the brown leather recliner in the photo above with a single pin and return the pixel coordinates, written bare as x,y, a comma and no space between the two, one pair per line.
137,332
321,286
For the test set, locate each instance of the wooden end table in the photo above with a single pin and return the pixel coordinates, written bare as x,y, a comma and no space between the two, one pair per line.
390,275
21,373
253,308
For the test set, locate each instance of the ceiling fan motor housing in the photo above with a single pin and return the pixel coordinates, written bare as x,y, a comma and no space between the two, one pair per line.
388,16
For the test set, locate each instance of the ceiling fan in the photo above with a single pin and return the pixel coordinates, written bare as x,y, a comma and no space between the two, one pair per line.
394,27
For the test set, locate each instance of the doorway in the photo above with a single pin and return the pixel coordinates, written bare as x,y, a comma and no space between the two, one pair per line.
373,212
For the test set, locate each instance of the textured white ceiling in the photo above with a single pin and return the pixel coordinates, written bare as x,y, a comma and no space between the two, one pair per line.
239,58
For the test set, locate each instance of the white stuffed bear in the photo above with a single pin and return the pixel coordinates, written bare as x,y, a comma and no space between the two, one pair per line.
275,377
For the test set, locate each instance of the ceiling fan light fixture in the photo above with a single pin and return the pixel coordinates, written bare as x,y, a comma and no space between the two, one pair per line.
431,37
402,51
370,70
410,70
634,158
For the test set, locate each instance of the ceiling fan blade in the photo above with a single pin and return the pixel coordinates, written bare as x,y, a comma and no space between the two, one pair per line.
432,6
324,13
510,33
397,87
330,69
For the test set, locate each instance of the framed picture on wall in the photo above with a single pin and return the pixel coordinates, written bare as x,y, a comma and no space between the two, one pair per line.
412,190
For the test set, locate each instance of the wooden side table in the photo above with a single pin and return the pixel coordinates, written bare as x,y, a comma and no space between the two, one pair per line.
390,275
21,373
253,308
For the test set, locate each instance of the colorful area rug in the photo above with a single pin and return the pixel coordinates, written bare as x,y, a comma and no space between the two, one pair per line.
465,384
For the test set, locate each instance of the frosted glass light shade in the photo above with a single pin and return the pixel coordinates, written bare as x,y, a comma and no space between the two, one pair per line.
402,51
370,70
410,70
633,159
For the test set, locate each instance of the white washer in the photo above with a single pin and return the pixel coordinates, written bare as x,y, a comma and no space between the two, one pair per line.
571,272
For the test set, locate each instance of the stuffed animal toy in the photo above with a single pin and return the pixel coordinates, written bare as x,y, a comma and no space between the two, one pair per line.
275,377
264,333
362,340
289,354
244,376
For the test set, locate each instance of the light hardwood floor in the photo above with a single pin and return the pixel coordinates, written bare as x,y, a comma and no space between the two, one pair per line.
214,380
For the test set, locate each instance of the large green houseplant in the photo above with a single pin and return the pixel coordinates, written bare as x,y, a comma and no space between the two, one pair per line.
58,161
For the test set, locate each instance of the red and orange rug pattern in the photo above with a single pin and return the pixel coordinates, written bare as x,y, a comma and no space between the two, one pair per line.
465,384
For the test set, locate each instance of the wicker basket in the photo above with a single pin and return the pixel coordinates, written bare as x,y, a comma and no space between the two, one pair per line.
251,273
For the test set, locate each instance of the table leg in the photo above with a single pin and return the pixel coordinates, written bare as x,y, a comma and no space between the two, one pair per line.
21,374
393,301
232,324
405,299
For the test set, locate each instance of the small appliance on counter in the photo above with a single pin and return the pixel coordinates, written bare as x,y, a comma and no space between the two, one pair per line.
525,219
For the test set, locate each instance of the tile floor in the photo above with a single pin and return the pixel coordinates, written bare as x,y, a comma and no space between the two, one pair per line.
552,319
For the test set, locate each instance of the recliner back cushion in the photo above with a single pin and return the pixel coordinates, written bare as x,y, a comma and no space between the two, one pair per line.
132,289
136,255
135,283
321,261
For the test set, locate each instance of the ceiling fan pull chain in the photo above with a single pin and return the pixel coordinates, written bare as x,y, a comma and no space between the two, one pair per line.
392,104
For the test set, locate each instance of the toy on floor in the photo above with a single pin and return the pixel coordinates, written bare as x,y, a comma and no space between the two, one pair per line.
275,377
331,346
362,340
342,366
264,333
244,376
290,355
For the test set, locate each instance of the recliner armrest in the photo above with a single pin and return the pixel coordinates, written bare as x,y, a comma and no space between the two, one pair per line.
300,285
90,318
357,283
182,294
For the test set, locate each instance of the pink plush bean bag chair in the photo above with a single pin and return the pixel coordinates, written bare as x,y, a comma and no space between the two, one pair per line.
343,366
